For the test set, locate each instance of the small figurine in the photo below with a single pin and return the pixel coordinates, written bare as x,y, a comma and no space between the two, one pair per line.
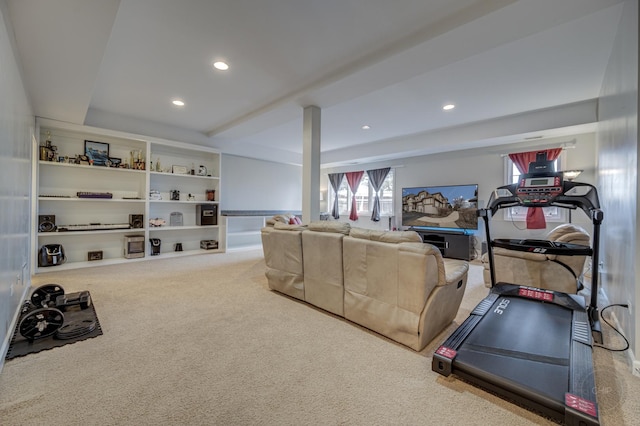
157,222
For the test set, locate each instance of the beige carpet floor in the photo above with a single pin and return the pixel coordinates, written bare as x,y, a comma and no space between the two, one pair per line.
202,341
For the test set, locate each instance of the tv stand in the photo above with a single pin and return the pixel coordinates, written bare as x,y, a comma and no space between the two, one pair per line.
455,245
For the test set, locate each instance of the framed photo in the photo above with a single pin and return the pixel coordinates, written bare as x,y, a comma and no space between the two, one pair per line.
179,170
114,162
94,255
97,151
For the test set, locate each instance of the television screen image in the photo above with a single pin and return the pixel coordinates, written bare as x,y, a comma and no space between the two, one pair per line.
451,207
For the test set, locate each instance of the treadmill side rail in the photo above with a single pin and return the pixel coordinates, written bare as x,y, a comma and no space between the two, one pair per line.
580,412
443,357
441,361
580,400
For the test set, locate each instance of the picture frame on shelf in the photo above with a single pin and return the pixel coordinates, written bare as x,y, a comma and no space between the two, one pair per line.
179,170
94,255
114,162
97,151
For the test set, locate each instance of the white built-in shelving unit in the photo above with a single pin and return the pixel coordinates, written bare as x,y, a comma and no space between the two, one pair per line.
56,184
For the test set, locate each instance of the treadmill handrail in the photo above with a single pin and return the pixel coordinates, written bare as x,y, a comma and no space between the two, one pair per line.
573,195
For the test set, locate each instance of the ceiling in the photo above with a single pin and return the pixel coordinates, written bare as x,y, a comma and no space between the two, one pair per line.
514,70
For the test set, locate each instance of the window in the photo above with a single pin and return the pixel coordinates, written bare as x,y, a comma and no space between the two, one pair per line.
365,196
386,195
512,175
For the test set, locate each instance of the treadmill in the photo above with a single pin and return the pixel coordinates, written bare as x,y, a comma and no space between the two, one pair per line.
529,345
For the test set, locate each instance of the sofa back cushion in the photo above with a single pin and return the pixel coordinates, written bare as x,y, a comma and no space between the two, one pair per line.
282,247
282,218
289,226
569,233
386,236
387,284
330,226
574,234
323,273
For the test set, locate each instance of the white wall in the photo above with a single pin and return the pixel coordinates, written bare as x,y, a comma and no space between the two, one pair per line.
249,184
17,127
485,167
618,177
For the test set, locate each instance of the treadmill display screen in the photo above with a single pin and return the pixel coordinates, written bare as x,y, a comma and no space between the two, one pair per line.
538,182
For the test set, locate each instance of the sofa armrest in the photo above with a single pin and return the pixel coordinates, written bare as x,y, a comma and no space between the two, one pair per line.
455,270
444,301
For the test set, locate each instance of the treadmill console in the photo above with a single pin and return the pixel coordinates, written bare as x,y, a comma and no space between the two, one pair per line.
535,189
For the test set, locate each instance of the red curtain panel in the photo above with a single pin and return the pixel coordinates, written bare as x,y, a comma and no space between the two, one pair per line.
535,215
353,179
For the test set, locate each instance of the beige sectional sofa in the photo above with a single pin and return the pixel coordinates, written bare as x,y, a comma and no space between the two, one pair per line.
388,282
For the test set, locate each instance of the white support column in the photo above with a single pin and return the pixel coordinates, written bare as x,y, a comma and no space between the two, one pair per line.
311,164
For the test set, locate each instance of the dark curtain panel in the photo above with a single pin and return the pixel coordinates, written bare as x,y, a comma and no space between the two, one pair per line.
336,180
535,215
353,178
377,177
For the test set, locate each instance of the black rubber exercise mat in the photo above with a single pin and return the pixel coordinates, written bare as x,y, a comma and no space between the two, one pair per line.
79,324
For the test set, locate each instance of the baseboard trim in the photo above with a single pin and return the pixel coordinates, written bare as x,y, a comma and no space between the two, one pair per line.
244,248
635,364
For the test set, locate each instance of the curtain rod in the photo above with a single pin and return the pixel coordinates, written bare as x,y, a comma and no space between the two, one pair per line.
565,145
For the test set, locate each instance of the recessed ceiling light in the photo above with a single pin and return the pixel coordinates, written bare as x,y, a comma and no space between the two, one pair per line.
448,107
220,65
366,127
178,102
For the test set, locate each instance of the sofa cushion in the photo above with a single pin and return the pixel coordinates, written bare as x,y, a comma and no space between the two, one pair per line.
395,237
286,227
567,232
570,233
283,218
330,226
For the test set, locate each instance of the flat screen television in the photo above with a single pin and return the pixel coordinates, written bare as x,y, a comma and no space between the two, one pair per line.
451,207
